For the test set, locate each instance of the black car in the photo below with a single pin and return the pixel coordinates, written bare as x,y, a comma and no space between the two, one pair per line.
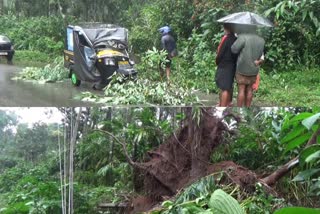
6,48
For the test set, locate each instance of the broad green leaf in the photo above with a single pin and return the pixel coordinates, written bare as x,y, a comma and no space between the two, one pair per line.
206,212
304,15
305,175
314,128
301,116
282,8
267,13
307,152
206,24
313,157
297,210
315,22
311,15
293,134
278,6
223,203
298,141
286,123
318,32
309,122
207,32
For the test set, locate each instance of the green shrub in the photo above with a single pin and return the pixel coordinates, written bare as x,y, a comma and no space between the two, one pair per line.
31,58
44,34
50,73
142,92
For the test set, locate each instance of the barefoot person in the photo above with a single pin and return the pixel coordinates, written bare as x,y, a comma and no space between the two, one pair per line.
226,62
250,48
169,44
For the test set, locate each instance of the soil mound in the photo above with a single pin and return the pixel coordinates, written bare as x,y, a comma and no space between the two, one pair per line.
185,158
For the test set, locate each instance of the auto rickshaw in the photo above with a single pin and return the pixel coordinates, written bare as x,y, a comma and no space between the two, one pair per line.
94,52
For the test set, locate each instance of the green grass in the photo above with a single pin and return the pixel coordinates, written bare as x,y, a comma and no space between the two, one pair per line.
290,88
26,58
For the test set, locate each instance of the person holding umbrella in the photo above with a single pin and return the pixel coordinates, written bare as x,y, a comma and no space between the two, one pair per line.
250,48
226,62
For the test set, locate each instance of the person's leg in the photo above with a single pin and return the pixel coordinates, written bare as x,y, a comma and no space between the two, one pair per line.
224,98
249,95
241,95
168,70
161,71
230,96
219,104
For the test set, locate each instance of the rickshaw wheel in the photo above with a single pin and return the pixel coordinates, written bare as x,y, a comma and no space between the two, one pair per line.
74,80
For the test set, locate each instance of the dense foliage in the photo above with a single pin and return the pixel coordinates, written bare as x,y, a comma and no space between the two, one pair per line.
292,47
29,160
148,89
44,34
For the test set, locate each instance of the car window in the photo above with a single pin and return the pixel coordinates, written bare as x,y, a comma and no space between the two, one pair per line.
4,39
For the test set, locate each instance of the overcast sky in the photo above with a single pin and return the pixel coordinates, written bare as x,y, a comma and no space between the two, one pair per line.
36,114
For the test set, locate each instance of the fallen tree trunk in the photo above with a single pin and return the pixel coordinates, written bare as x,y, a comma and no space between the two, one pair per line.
283,170
185,158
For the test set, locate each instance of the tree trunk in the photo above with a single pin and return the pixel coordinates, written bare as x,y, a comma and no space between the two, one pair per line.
283,170
72,147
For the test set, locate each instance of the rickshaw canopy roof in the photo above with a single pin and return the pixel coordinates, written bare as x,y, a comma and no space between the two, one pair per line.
101,33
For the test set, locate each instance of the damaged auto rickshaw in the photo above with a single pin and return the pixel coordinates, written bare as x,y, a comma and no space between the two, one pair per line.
95,52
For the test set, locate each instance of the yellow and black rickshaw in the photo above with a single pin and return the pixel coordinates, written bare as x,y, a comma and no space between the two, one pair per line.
94,52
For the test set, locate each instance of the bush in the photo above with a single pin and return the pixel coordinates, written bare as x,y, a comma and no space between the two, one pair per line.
50,73
141,92
31,58
44,34
292,41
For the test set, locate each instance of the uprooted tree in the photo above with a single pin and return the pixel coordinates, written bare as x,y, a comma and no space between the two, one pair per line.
185,157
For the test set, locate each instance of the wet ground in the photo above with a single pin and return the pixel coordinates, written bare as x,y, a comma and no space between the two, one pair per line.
21,93
18,93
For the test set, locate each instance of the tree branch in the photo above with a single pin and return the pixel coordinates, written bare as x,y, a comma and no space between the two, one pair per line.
130,161
283,170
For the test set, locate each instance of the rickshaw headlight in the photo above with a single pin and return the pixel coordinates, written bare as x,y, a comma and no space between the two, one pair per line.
109,61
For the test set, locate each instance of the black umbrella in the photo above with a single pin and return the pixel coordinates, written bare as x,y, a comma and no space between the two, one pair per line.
246,18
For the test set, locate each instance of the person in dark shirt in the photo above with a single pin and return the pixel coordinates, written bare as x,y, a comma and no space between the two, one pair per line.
227,63
169,44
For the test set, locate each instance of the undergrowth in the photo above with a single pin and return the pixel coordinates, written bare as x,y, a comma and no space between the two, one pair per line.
200,197
291,88
148,89
28,58
50,73
142,92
